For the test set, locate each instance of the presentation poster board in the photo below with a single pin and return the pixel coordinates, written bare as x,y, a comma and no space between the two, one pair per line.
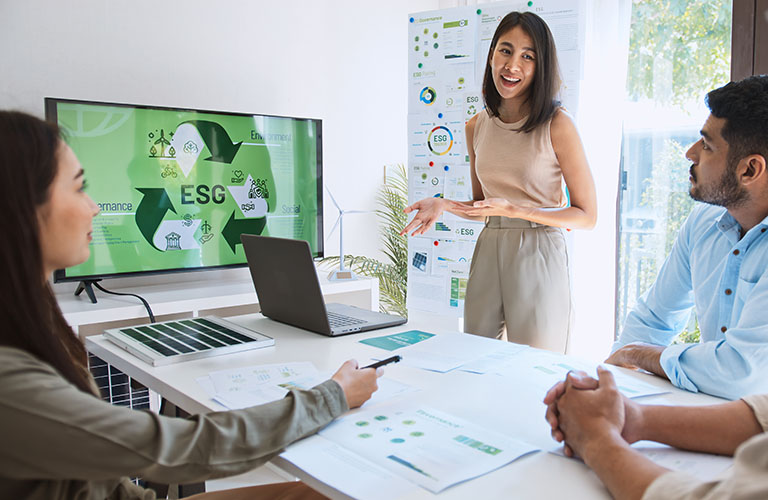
176,188
447,53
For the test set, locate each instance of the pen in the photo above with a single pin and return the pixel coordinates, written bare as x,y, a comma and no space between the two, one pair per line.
393,359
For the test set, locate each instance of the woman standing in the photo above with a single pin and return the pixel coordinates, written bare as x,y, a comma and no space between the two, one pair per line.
60,440
522,148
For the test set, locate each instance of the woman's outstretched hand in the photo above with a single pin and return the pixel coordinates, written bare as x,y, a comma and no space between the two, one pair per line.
428,211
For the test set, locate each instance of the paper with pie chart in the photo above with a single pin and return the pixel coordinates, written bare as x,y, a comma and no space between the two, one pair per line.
426,446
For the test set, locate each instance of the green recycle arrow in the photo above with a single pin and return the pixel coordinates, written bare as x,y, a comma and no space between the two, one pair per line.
151,210
222,149
235,227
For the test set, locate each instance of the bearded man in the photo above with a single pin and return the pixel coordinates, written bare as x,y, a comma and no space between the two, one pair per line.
719,262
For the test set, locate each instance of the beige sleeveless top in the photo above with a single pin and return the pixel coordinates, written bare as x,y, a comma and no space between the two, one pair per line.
516,166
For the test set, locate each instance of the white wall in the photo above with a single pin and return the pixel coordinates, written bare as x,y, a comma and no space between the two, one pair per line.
342,61
333,60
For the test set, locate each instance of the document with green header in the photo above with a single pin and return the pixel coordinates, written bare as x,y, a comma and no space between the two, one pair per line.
423,445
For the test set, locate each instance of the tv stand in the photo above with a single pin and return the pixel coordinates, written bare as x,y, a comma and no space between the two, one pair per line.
223,297
87,285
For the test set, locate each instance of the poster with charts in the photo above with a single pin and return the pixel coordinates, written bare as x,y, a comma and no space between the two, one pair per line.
447,53
425,446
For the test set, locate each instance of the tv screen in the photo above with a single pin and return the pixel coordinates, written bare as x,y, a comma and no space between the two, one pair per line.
177,187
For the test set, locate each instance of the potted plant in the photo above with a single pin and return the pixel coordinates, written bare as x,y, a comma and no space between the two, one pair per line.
391,200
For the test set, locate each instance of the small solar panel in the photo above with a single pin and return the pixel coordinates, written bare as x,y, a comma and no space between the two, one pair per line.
181,340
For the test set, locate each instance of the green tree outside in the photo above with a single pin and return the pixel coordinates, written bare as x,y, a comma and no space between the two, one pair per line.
680,45
679,50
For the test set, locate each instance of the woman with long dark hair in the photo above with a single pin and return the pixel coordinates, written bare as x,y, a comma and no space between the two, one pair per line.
59,440
522,148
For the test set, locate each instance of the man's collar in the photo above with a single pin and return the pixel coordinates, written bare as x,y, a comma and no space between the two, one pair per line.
728,225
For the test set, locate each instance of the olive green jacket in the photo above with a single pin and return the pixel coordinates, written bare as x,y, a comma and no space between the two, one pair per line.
747,479
57,442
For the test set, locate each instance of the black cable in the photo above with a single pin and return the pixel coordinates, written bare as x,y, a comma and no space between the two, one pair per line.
146,304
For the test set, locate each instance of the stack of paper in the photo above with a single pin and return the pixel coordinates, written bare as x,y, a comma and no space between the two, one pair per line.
469,353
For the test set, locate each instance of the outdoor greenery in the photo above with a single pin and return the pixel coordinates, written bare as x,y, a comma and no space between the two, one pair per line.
667,193
391,199
678,49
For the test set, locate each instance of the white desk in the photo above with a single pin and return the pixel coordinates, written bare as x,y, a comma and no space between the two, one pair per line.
510,406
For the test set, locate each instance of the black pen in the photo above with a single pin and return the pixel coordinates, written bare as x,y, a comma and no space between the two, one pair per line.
394,359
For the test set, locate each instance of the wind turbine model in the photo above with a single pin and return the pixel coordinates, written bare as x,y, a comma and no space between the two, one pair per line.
342,273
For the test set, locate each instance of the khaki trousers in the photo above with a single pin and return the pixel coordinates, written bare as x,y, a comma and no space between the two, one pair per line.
519,287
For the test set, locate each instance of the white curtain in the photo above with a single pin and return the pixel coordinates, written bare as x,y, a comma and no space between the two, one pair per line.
594,259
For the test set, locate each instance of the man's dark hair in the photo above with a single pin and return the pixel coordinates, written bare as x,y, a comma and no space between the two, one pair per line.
546,77
744,106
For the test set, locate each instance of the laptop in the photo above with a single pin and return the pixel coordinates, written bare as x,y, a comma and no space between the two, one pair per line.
285,279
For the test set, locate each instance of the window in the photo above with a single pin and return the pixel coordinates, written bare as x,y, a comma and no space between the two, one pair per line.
678,51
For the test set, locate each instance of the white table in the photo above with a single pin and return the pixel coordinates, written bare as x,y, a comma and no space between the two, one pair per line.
509,406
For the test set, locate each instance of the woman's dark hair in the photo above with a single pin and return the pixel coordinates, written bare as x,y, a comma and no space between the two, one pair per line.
744,106
546,78
30,315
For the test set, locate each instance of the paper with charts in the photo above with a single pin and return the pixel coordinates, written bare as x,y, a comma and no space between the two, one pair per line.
542,369
428,447
248,386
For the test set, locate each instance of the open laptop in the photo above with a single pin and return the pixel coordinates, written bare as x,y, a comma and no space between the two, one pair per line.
285,279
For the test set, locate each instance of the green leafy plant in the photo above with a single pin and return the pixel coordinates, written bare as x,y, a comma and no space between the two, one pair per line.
690,335
391,200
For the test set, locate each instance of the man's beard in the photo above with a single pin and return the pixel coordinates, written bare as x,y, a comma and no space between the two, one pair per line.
726,193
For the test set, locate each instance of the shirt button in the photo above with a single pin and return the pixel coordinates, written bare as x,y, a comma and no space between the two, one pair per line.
723,329
762,230
728,291
736,252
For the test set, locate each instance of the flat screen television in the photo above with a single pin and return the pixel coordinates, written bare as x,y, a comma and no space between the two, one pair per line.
177,187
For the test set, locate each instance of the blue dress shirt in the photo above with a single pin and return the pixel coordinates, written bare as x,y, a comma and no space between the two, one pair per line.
725,277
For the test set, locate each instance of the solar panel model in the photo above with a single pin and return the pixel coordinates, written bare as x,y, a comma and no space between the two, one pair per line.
169,342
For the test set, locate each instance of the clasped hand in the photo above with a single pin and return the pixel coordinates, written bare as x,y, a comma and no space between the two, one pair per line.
582,411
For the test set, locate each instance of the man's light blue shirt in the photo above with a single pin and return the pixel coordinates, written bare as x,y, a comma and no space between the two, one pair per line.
725,278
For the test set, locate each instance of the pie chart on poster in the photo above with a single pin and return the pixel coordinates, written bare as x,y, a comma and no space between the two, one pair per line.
440,140
428,95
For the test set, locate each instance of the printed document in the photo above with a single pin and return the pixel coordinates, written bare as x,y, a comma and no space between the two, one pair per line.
428,447
256,385
542,370
445,352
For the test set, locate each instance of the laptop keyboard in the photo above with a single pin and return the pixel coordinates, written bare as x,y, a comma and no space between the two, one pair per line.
340,320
